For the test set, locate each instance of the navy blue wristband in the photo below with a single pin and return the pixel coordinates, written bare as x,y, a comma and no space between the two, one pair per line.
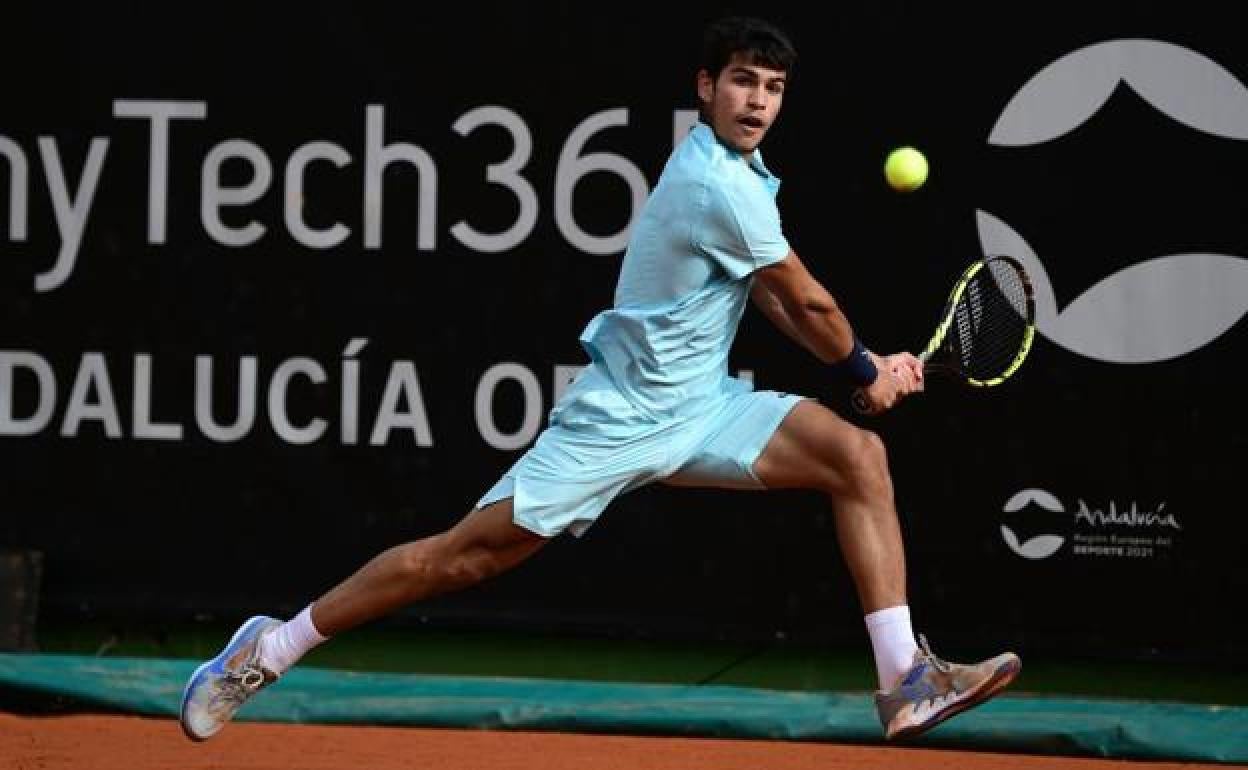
858,367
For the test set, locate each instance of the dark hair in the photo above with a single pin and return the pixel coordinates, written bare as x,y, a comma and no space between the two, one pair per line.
761,43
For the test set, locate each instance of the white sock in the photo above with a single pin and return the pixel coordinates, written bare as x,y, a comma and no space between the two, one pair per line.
892,641
282,648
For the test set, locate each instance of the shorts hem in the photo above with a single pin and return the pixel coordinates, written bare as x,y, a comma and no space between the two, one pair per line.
790,403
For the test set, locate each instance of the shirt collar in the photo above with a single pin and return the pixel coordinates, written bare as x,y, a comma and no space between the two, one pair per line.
706,135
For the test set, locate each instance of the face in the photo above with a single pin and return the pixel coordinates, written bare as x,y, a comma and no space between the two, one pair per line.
742,102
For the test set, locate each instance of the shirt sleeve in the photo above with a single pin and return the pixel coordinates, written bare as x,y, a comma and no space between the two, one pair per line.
741,227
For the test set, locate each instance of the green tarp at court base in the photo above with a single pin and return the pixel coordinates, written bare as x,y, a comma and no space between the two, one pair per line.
1044,725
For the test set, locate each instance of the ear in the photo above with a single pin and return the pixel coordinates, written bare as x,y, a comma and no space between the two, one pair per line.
706,87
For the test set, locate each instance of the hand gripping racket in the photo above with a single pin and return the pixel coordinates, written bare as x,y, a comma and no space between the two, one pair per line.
986,328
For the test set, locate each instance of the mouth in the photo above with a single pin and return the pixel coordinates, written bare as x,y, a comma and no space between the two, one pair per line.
751,123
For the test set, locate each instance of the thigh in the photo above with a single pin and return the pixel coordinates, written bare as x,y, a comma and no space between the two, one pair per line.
814,448
492,528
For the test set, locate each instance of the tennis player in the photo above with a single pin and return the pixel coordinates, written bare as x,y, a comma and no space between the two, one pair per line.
656,404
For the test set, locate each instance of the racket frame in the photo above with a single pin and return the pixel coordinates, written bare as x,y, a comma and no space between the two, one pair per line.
942,329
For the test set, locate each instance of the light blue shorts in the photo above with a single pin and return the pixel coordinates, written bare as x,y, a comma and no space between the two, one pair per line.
598,446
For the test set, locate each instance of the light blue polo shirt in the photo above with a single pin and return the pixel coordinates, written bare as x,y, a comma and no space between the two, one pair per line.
657,402
708,225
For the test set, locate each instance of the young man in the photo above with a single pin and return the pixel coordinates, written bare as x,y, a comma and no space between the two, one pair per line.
657,404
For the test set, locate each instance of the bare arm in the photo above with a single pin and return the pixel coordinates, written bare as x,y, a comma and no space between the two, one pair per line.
798,304
795,302
771,307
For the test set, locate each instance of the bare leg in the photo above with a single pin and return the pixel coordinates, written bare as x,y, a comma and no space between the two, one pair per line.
483,544
815,449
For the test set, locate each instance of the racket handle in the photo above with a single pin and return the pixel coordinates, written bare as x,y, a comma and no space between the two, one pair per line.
859,400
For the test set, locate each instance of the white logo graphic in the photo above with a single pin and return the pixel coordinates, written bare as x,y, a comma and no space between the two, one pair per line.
1040,546
1160,308
1131,516
1119,532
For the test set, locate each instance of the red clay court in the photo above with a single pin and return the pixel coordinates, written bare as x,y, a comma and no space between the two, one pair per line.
134,743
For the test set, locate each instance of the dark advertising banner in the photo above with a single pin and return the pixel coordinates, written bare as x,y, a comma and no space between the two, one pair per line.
281,289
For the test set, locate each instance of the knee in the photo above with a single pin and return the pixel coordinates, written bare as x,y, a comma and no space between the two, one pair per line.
418,562
867,475
470,566
446,562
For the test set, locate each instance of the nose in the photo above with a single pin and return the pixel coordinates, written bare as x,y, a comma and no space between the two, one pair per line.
758,96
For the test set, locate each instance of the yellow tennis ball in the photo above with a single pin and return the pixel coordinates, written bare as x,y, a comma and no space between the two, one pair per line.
905,169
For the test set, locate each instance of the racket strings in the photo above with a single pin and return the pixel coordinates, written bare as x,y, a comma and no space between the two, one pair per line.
991,320
989,345
991,332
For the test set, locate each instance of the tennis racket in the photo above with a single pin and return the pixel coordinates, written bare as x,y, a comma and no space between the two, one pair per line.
986,328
